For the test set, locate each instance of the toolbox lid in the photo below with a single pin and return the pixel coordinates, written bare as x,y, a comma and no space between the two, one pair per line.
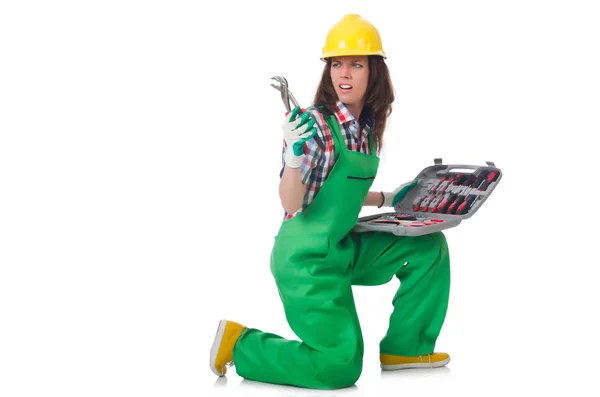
451,191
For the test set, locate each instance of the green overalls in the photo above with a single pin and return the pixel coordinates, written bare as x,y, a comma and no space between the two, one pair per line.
316,259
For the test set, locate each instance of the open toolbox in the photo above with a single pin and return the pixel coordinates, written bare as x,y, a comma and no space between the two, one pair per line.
442,198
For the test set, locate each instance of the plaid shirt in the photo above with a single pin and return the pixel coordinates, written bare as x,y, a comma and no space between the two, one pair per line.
319,159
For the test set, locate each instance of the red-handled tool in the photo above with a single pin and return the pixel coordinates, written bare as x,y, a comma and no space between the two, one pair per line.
440,193
475,181
430,192
470,201
452,193
436,201
471,194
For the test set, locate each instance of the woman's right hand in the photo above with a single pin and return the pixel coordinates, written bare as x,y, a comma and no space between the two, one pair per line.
298,127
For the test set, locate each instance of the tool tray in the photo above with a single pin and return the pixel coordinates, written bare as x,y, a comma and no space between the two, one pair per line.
443,197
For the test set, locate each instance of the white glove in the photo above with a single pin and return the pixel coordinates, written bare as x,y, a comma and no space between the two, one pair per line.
297,129
393,198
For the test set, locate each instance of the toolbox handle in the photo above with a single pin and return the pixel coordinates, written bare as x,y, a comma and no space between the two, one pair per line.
464,168
461,168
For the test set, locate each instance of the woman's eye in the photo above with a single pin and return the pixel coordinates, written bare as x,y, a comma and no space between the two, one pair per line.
357,65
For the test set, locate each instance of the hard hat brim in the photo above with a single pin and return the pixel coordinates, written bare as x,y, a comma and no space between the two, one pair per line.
338,53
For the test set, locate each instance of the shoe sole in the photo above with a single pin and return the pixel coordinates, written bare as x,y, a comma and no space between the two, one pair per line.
214,350
436,364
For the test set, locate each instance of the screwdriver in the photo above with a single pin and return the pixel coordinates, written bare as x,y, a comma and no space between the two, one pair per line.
464,187
472,194
441,196
476,181
431,191
452,193
427,203
446,193
484,185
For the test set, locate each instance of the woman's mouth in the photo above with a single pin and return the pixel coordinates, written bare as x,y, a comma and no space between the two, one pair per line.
345,88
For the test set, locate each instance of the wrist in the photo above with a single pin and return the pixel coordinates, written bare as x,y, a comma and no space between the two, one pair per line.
291,160
382,200
388,199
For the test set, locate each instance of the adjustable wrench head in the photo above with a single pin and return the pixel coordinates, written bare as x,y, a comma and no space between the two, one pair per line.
283,89
280,79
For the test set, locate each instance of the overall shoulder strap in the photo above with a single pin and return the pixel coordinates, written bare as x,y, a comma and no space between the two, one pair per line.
372,148
338,140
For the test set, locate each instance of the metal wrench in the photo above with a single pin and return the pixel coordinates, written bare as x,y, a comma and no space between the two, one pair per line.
286,95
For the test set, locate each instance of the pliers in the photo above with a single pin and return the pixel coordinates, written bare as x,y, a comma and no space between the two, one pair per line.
286,95
293,112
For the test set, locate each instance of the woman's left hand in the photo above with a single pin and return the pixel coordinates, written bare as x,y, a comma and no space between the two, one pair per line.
393,198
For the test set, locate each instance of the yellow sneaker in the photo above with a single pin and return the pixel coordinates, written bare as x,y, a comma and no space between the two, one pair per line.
433,360
221,352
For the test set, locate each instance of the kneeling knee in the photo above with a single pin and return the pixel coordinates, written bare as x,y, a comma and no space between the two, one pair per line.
341,375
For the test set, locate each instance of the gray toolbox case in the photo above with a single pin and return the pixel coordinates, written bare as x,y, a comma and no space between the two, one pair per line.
443,197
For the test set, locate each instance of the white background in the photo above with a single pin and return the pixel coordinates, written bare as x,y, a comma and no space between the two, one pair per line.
139,166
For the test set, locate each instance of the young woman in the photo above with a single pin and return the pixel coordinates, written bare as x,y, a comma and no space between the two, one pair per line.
316,258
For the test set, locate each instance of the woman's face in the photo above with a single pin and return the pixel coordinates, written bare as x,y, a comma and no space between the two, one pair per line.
350,76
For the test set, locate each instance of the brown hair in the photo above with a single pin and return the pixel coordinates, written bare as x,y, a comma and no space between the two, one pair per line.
378,98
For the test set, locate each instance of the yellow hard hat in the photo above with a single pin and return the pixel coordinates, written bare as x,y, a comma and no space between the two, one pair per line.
352,35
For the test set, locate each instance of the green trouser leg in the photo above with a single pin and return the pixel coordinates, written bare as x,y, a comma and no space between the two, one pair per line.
330,355
312,263
422,265
320,309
